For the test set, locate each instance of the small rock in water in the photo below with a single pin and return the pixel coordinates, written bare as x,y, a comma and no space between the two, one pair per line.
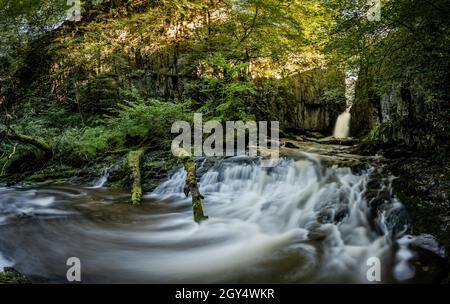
290,145
318,232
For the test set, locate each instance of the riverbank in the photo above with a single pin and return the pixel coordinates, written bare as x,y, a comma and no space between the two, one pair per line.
422,184
424,188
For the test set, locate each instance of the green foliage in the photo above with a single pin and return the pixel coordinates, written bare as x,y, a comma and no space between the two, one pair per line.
408,45
11,276
87,87
99,94
146,123
80,145
40,119
383,132
227,88
408,49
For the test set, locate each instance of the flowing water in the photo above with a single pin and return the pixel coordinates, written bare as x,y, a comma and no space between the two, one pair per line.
101,182
297,222
342,127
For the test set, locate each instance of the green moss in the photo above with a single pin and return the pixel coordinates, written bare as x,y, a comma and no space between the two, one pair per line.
136,194
40,144
11,276
134,163
152,164
51,175
191,185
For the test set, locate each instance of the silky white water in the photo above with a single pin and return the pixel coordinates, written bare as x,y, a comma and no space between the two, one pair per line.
318,214
342,127
101,182
296,222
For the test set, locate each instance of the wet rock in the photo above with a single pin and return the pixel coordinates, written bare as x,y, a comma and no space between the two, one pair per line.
315,135
341,213
428,262
318,232
330,215
290,145
338,141
325,216
430,267
423,187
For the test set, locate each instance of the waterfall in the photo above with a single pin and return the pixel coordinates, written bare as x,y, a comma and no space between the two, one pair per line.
295,203
101,181
342,126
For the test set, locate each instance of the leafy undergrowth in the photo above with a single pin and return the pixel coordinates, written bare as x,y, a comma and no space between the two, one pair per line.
400,138
83,150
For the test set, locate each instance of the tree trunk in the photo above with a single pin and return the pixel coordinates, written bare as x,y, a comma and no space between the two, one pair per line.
26,139
134,163
191,186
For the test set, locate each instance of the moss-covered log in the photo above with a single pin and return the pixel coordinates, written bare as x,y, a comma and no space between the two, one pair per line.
134,163
191,185
26,157
26,139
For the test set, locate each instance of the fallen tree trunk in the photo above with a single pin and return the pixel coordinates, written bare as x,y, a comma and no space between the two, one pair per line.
26,139
28,158
134,163
191,186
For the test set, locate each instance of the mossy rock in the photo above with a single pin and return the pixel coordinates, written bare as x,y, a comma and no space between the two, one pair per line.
51,175
12,276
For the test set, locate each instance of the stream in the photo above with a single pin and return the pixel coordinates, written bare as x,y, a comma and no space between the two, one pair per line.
299,222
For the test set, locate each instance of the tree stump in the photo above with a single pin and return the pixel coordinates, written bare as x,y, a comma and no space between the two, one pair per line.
134,163
192,186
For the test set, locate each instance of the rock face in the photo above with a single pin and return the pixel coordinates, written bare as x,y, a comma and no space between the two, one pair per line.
365,110
309,116
407,115
309,101
424,188
402,102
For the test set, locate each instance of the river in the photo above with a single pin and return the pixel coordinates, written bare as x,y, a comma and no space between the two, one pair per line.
299,222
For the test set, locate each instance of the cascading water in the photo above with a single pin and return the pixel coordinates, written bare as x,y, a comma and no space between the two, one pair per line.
102,179
342,126
296,222
297,211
